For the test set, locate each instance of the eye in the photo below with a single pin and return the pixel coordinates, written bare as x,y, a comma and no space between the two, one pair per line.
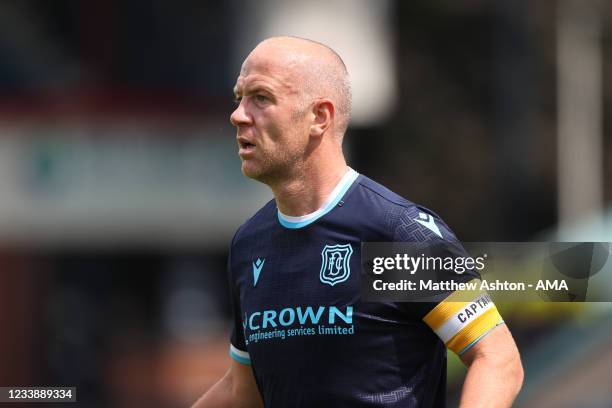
260,98
237,99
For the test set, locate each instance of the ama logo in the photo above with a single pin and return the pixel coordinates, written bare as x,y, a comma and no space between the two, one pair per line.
335,266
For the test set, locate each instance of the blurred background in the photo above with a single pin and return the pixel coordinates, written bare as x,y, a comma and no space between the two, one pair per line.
120,185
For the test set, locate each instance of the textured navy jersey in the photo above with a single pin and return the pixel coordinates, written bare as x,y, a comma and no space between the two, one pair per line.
299,321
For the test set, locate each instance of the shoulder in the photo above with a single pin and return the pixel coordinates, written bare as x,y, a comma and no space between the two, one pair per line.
402,219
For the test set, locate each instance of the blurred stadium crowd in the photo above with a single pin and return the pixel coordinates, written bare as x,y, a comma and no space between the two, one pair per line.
120,186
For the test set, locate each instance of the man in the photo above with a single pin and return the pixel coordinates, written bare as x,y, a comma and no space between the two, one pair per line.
302,337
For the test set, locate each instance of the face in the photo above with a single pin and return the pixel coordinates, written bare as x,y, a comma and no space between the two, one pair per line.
272,133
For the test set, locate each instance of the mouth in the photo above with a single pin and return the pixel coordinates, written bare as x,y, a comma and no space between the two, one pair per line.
246,147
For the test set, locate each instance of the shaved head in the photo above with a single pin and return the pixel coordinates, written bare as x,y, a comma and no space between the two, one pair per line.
314,71
293,107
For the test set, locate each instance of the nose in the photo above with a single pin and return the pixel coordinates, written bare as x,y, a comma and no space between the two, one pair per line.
239,116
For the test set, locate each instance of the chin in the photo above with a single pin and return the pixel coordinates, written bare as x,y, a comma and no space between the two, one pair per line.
251,171
259,173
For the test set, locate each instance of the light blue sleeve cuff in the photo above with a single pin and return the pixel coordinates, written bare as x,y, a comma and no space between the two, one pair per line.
478,339
239,355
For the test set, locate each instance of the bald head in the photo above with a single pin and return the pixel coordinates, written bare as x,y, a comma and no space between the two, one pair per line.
314,71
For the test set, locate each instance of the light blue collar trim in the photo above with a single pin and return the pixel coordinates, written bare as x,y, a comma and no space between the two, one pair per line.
288,221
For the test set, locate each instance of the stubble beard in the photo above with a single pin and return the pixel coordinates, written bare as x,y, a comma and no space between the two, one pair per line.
275,170
278,167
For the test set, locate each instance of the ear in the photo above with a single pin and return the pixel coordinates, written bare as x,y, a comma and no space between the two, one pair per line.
324,113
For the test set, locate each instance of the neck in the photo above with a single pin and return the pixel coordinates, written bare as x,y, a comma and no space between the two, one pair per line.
308,189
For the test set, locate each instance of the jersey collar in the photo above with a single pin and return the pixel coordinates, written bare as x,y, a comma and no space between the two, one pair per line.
341,188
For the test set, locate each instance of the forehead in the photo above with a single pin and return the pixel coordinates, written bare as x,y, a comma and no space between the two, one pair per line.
268,82
268,70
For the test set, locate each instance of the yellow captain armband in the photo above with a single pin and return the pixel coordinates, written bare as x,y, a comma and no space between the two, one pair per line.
460,324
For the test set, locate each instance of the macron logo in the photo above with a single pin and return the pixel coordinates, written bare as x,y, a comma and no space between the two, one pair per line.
257,267
428,222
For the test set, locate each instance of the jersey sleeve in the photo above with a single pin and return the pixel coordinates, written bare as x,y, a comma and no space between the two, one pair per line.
460,320
238,349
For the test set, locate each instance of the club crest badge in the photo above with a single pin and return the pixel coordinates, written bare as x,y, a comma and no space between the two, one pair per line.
335,265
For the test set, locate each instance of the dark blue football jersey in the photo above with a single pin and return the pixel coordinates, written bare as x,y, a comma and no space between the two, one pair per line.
299,320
